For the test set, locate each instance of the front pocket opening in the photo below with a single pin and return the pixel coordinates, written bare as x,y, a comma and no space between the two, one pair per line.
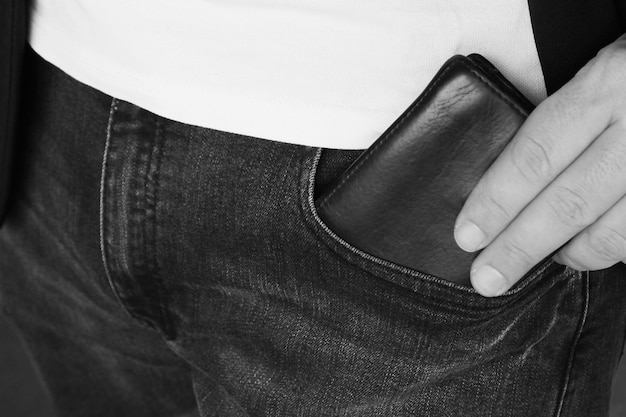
369,261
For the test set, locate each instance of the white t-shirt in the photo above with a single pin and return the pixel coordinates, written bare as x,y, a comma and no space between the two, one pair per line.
331,73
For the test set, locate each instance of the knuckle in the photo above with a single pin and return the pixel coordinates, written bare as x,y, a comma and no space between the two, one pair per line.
570,103
609,162
608,244
569,207
613,55
494,205
615,92
531,159
606,72
515,254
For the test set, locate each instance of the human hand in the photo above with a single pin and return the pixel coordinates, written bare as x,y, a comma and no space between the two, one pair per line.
560,181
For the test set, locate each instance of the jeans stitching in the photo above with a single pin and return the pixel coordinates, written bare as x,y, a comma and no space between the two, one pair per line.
155,163
579,330
308,174
310,203
105,156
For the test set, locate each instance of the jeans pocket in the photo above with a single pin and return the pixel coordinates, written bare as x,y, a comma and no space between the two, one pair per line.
385,269
507,355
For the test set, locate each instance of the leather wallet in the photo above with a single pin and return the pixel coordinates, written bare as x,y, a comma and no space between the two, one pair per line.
399,199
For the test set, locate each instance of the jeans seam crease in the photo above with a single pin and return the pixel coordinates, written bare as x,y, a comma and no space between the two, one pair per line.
572,355
103,250
168,327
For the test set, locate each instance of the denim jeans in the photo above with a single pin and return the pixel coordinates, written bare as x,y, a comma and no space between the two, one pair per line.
160,269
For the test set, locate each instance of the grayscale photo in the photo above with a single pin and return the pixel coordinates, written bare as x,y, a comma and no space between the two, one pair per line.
313,208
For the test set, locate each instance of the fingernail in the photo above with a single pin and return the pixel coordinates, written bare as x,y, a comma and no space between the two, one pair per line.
469,237
488,281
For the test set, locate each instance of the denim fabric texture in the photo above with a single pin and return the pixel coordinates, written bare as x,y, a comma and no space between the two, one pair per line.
160,269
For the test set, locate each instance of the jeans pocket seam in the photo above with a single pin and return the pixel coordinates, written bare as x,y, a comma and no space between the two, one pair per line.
309,211
572,355
403,276
102,214
126,269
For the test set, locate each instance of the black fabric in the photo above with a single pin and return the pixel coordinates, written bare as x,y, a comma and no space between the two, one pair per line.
620,5
568,33
12,42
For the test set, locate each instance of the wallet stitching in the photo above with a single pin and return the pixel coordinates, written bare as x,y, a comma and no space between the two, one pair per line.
400,123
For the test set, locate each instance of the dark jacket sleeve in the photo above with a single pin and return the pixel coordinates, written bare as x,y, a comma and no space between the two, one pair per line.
620,5
12,44
569,33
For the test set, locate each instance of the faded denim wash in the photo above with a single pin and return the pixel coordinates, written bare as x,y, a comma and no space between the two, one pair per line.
161,269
